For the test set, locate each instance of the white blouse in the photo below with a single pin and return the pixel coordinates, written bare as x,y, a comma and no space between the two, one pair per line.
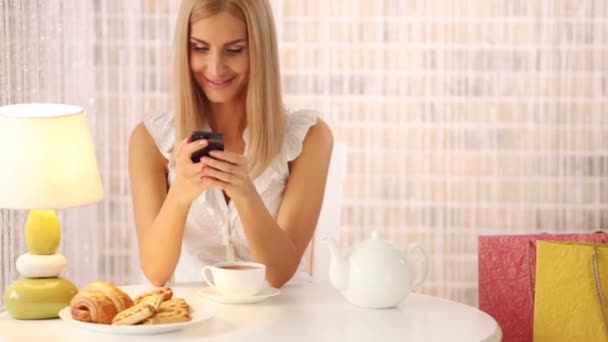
213,231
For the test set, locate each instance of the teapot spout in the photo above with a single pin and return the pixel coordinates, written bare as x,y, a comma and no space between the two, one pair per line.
338,266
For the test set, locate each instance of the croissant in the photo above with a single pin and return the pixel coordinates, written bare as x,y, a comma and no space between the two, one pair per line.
92,307
120,299
99,302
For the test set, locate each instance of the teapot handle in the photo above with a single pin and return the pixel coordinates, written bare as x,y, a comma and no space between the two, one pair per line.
425,272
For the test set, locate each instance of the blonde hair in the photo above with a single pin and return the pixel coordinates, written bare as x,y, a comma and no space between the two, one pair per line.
264,107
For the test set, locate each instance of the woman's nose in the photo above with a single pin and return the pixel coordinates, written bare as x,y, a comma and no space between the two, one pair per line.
216,64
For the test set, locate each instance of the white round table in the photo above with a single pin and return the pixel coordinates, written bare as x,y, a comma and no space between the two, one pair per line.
302,312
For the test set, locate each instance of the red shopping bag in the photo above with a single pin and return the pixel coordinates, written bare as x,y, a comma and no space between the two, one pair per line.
506,278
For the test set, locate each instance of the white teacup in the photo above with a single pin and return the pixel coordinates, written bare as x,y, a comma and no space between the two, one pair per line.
236,278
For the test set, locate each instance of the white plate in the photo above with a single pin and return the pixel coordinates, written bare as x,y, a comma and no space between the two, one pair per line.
199,310
211,293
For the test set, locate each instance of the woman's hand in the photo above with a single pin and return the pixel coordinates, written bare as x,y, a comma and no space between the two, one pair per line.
228,171
188,183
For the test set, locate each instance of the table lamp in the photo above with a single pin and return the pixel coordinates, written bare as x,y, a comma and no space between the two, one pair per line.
48,162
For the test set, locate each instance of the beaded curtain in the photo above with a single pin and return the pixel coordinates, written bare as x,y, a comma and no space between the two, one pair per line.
462,117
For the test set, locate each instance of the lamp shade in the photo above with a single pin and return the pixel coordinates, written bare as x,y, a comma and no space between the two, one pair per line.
47,159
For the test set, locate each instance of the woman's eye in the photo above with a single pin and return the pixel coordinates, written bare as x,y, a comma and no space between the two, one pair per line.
235,50
196,47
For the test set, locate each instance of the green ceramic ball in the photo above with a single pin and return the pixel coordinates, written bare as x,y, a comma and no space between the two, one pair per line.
38,298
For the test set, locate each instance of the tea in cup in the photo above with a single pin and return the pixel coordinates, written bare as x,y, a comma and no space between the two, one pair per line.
235,278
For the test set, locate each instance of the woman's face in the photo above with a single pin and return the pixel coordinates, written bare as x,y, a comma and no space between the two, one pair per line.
219,58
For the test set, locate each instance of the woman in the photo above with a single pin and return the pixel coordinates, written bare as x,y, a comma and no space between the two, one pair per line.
260,198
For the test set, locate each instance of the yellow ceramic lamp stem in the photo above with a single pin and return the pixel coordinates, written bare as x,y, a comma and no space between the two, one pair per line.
40,296
42,232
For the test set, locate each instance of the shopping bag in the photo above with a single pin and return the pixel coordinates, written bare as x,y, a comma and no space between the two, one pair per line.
506,278
569,299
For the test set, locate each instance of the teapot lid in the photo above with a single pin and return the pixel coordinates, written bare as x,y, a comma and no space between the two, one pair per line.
375,244
377,251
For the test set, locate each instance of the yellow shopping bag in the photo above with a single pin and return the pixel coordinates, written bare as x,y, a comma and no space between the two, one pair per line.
569,299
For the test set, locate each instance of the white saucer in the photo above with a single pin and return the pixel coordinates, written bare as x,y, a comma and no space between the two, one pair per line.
211,293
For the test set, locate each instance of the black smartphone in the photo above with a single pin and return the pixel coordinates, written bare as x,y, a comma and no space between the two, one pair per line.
215,142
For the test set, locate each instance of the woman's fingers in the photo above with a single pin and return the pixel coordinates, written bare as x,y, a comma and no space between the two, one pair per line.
219,175
234,158
220,165
190,171
226,170
208,181
187,148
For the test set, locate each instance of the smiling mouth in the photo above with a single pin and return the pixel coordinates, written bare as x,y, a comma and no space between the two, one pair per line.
220,83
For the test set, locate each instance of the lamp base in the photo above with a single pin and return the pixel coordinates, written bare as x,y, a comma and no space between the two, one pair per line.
38,298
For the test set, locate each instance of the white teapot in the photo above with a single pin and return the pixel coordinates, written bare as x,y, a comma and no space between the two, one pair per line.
376,275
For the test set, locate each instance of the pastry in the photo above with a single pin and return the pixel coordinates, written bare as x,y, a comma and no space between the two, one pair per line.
175,303
104,303
94,307
169,316
154,300
120,299
165,293
133,315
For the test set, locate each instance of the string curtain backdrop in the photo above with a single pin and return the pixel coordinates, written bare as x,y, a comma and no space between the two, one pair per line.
462,117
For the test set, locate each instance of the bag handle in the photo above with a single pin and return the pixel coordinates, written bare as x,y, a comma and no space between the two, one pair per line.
531,280
598,286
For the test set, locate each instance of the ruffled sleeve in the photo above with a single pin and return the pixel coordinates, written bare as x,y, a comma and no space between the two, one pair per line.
161,128
298,124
